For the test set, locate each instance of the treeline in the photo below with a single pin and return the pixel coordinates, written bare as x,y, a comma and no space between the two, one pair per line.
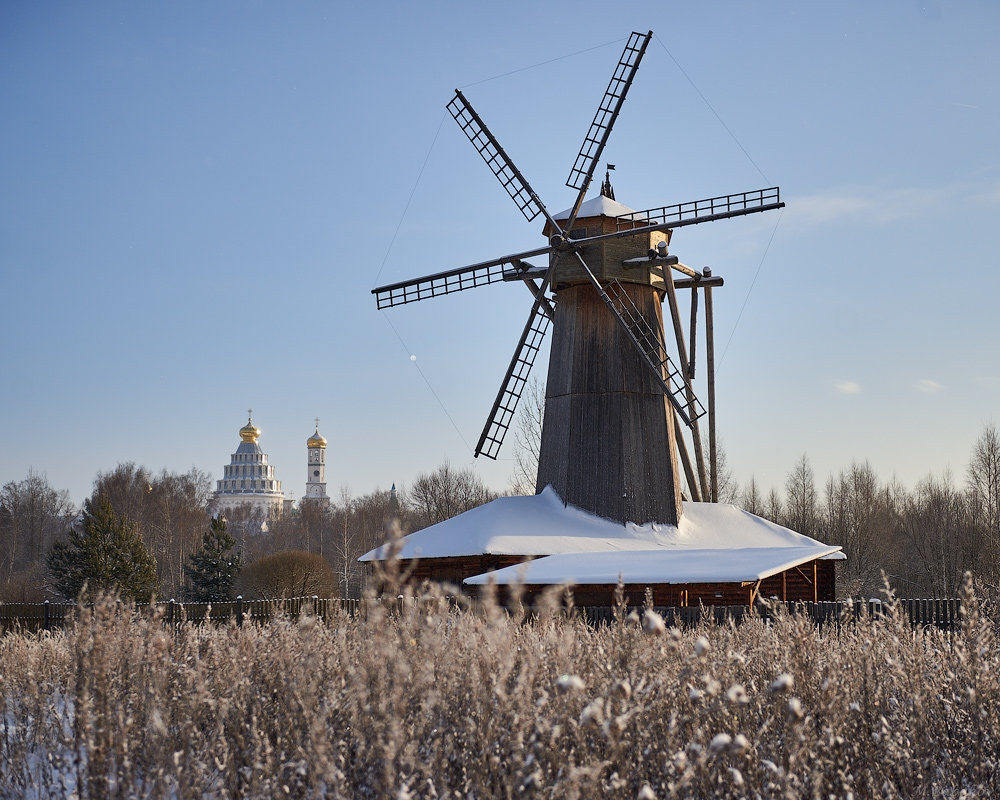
169,514
923,539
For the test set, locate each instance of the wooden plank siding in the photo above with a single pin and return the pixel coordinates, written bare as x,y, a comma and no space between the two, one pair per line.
608,443
605,258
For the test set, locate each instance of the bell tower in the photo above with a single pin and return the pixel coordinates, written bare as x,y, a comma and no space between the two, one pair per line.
316,476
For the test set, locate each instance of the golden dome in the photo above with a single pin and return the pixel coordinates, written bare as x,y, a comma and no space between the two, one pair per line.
316,440
248,433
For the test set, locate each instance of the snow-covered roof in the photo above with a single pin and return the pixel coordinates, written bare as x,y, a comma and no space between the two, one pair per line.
542,525
677,565
599,206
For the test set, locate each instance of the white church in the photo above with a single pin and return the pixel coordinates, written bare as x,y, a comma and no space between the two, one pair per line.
249,484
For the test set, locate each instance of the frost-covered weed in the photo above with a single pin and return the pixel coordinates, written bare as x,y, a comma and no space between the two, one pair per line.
424,699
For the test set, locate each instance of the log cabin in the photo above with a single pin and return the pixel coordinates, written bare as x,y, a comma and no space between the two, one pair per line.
717,554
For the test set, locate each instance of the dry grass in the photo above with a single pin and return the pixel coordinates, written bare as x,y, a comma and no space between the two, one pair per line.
433,702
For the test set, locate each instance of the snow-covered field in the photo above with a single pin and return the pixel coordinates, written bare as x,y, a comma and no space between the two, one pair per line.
433,702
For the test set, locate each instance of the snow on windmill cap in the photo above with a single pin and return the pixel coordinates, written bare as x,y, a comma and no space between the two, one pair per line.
599,206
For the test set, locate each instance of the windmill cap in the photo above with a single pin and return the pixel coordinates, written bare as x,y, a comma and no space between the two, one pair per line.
599,206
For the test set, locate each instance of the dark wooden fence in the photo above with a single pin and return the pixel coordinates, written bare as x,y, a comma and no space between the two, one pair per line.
939,613
34,617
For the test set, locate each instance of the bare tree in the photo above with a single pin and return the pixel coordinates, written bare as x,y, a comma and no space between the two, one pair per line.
861,518
729,489
751,498
33,516
360,524
941,544
801,512
250,525
346,543
528,439
307,527
983,479
773,508
445,493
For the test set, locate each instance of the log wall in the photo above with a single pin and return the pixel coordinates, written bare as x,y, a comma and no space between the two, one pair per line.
792,585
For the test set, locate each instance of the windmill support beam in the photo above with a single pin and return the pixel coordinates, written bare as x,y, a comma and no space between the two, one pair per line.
656,261
528,272
696,279
694,332
713,448
536,291
705,283
533,272
691,272
685,458
682,355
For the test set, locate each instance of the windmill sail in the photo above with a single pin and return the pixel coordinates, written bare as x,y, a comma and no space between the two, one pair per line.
496,158
582,171
707,210
514,381
452,280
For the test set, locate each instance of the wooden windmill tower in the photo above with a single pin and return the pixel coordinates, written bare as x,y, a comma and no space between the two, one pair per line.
615,400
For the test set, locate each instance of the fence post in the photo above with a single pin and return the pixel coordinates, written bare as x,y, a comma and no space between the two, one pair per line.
45,617
239,611
170,613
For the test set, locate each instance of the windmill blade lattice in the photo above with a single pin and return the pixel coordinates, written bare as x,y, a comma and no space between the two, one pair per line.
681,215
514,381
707,210
582,171
452,280
496,158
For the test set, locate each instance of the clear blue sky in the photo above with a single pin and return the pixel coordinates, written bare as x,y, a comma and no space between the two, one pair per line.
197,198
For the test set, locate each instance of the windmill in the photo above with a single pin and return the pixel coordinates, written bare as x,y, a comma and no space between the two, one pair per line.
615,400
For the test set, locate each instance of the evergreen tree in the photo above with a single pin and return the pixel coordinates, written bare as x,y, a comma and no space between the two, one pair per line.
104,553
212,570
